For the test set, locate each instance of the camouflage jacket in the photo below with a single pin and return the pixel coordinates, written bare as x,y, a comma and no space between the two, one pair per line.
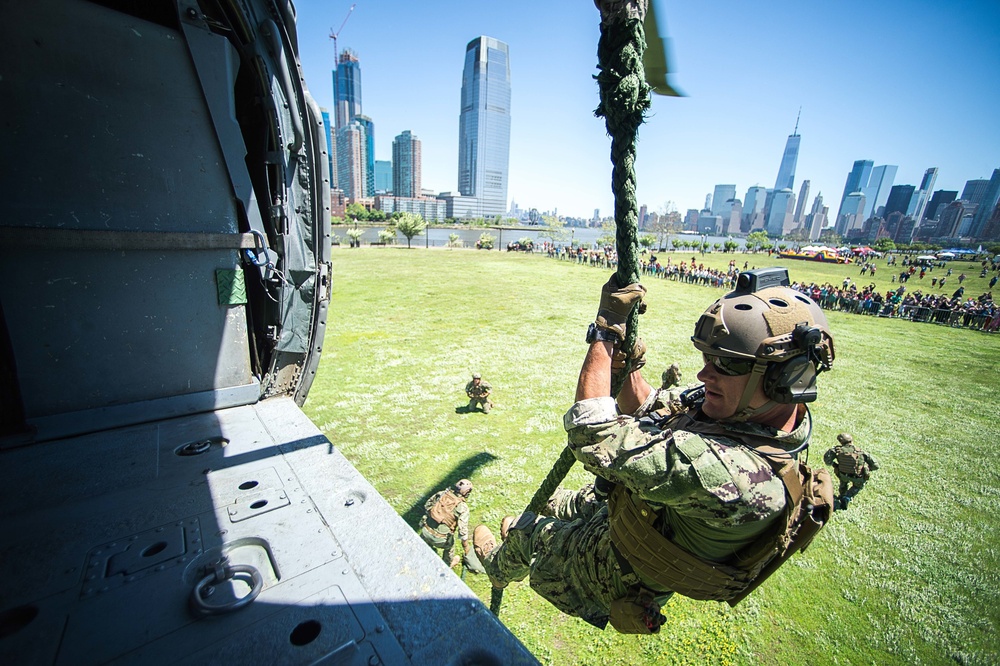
711,504
480,391
461,515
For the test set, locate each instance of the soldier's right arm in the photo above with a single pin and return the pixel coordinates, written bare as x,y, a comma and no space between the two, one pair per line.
830,456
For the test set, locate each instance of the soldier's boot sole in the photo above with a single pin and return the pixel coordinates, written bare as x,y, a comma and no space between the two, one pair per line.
484,543
505,526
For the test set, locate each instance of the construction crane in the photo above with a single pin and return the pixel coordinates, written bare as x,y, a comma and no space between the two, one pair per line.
334,35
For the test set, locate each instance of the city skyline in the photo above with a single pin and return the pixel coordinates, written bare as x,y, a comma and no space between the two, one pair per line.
730,127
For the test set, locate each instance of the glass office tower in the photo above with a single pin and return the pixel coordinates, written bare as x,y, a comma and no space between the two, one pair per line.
484,126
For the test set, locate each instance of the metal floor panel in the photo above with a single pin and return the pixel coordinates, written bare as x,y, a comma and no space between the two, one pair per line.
104,549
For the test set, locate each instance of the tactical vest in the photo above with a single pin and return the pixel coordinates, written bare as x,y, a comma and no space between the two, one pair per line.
850,461
808,505
443,511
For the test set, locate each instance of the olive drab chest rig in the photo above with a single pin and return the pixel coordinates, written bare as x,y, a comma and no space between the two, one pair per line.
849,460
443,511
648,555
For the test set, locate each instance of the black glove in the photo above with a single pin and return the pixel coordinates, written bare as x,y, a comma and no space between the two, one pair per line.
603,488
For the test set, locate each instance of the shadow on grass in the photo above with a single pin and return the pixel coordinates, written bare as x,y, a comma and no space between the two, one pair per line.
463,470
465,409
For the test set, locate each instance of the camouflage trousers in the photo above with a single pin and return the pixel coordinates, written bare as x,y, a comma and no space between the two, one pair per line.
435,541
476,402
850,485
566,557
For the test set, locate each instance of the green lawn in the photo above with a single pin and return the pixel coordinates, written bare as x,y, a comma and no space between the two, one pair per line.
908,575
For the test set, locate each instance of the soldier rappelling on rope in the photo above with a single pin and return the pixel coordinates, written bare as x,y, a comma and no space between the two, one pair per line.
701,503
702,493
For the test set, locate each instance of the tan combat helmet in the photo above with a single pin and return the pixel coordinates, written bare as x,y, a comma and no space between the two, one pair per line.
780,331
845,438
463,487
476,375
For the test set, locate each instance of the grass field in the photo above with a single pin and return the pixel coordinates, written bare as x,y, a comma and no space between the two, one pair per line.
908,575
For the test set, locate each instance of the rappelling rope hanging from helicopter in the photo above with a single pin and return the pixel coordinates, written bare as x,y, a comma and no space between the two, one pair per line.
625,97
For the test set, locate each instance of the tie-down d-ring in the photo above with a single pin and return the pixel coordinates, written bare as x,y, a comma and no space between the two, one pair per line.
222,572
260,248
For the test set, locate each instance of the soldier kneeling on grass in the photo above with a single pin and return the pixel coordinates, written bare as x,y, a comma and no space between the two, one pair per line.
852,466
446,513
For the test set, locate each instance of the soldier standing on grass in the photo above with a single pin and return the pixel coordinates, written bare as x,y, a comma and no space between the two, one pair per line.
852,466
479,393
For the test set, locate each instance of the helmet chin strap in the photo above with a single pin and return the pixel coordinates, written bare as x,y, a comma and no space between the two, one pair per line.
744,411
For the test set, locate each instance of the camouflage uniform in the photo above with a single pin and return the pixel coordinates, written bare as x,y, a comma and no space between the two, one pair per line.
711,505
852,466
439,535
479,395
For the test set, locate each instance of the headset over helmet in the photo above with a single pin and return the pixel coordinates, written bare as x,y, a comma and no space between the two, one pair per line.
772,332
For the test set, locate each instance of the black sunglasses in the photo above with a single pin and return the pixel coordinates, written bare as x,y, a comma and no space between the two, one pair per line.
727,365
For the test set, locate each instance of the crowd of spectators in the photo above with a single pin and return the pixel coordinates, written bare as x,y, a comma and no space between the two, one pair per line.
980,312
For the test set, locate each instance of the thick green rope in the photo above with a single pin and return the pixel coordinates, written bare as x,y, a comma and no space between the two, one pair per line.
624,101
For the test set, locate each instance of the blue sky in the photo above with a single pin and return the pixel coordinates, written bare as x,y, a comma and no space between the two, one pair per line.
907,83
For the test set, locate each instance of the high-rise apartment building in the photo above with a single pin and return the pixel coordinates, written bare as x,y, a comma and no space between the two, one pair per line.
383,177
352,156
369,165
406,165
877,192
484,126
857,180
786,171
330,149
986,205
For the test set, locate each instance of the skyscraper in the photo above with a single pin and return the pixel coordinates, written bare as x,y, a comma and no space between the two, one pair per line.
878,188
941,197
852,213
857,180
801,205
919,204
347,88
779,219
786,172
974,190
986,205
753,209
406,165
723,193
484,125
899,200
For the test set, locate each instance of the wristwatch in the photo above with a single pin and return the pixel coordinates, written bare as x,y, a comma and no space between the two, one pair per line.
597,334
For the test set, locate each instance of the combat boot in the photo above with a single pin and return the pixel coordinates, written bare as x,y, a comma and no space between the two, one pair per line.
484,544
